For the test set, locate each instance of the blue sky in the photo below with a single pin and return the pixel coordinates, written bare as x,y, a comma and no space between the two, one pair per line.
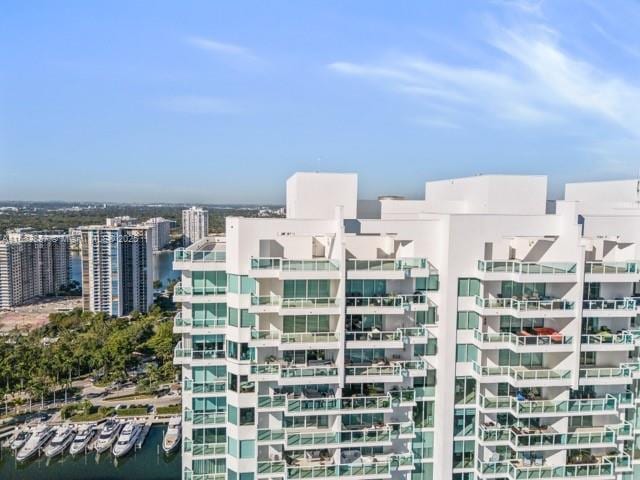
221,101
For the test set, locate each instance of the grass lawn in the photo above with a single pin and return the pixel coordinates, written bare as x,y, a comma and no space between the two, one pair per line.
132,412
169,410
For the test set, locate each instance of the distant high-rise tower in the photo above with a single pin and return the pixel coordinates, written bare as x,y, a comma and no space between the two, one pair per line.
160,229
32,264
195,225
116,269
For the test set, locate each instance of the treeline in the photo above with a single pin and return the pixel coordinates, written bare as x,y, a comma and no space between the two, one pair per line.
78,343
42,219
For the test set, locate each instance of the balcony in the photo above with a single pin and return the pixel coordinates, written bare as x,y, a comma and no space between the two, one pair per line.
619,307
387,304
606,375
389,268
184,324
521,376
375,337
524,469
293,341
204,450
545,438
383,372
186,355
607,341
188,385
294,306
204,418
527,271
549,408
293,374
287,269
530,340
188,294
603,272
199,260
525,308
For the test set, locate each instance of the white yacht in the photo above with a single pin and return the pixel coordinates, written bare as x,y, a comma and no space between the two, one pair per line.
108,435
40,436
172,436
127,439
64,435
83,438
20,437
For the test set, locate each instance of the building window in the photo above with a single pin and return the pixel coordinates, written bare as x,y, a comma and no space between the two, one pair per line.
465,390
306,289
423,414
464,421
468,320
463,454
247,416
468,287
466,352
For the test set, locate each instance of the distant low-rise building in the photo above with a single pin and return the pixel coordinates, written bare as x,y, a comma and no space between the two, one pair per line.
116,269
123,221
32,264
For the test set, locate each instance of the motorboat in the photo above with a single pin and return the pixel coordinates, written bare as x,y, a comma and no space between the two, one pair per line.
83,438
108,435
19,439
173,435
38,439
64,435
127,439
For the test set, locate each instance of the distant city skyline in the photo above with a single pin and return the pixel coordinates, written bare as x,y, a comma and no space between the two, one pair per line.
214,103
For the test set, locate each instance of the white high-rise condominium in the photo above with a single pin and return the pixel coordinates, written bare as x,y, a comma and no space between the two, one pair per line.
470,335
195,225
116,269
160,230
32,264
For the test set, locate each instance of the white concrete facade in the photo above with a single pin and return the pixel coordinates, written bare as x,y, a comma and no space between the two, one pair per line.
117,269
469,335
195,225
32,264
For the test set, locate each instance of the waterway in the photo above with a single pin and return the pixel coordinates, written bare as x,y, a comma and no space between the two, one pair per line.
162,264
148,463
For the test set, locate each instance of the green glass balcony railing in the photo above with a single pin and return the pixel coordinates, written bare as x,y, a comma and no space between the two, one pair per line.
524,305
613,304
536,407
309,337
612,267
264,435
606,372
337,471
204,418
181,289
272,401
382,301
204,387
608,339
522,340
309,302
287,265
386,265
374,370
521,374
275,466
528,268
182,321
389,336
332,404
184,255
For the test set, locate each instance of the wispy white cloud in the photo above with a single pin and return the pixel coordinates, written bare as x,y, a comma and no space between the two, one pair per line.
197,105
531,80
222,48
